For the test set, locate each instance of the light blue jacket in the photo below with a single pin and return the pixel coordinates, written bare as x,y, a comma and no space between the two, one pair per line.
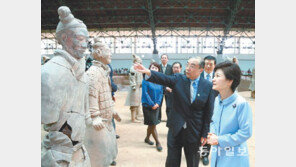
232,123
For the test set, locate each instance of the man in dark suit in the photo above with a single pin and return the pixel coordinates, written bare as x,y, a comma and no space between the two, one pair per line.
208,74
165,68
113,90
210,64
193,103
117,117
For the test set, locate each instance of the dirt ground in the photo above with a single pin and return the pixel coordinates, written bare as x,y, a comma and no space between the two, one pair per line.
133,152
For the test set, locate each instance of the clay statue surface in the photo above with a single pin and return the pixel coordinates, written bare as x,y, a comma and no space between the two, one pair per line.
135,90
100,139
252,85
64,96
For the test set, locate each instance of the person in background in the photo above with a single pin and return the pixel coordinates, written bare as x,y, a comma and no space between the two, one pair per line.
208,74
231,124
235,60
165,68
177,67
113,89
249,72
209,65
88,63
151,99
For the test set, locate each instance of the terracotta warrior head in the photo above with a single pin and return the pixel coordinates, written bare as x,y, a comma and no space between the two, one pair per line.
101,52
71,33
137,59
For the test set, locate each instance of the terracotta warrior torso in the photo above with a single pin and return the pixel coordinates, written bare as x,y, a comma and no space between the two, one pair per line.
100,102
64,100
135,90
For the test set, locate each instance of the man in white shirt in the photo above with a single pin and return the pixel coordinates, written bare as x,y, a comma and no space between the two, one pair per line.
210,63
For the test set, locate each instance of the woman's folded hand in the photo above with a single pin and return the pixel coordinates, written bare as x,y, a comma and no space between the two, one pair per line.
212,139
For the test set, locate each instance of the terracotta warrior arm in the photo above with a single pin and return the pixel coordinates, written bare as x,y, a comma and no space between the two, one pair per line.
93,97
132,78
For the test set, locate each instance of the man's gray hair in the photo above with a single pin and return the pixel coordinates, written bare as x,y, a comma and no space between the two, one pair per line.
199,59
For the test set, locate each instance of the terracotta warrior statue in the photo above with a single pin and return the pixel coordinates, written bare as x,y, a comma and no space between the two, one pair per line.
135,90
64,96
252,85
100,139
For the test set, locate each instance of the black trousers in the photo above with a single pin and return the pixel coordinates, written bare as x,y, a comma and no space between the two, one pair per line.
175,145
206,150
169,105
113,123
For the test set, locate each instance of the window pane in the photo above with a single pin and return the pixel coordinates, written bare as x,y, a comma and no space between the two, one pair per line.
109,42
48,46
166,44
123,45
247,46
208,45
188,44
144,45
229,46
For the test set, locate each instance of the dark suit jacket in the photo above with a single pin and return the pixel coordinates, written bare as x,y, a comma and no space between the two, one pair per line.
202,75
113,85
197,114
168,70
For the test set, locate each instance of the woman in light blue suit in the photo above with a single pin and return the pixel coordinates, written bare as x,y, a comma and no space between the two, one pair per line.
231,125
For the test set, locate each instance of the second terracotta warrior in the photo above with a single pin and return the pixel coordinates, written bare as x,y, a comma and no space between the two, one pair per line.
135,91
100,139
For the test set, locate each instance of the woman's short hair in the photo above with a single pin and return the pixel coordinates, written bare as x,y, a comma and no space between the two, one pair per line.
156,65
231,72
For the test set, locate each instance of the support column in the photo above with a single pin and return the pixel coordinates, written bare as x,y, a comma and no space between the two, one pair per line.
229,23
152,25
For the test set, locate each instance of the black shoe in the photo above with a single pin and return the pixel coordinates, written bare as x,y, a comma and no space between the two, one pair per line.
113,163
159,148
148,142
117,136
205,161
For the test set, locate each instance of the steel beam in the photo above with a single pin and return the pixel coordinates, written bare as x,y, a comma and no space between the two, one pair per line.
229,21
152,25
